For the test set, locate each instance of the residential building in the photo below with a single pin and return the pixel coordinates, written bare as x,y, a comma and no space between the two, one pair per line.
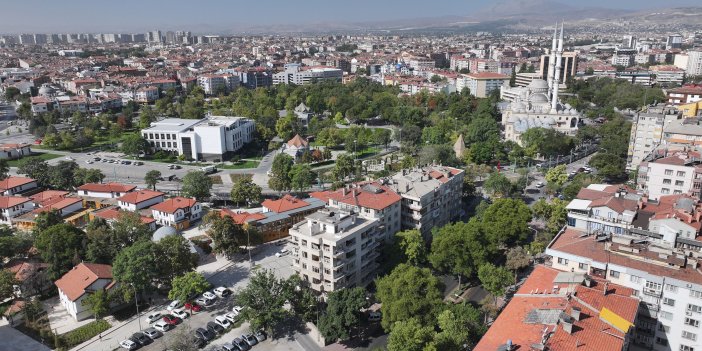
371,200
647,133
482,84
668,75
431,196
693,109
678,173
84,279
685,94
336,249
214,137
256,77
14,151
146,95
694,63
686,132
31,276
296,146
137,200
564,311
14,206
603,208
623,57
112,213
177,212
298,75
215,84
13,185
105,190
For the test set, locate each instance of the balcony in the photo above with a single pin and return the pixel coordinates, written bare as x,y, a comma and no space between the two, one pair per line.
339,264
337,278
415,206
338,253
652,292
416,215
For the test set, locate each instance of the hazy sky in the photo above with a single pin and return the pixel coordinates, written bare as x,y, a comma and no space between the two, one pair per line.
214,15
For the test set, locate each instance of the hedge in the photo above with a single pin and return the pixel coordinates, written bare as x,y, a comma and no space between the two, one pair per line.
84,333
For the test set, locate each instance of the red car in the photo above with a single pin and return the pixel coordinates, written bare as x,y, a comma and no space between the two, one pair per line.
171,319
191,306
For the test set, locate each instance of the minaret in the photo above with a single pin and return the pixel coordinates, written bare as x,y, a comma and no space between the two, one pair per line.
552,62
557,73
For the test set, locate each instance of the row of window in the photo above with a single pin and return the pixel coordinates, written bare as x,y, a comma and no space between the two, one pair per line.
670,172
677,182
666,191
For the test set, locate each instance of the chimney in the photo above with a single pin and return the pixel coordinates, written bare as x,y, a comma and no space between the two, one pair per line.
575,313
604,291
567,323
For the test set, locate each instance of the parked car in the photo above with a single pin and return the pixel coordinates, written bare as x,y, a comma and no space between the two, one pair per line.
141,338
193,307
204,334
174,304
180,313
223,321
222,291
239,342
260,335
129,344
152,333
209,295
162,326
250,339
215,328
232,317
237,309
90,162
153,317
539,184
204,302
171,319
199,342
229,347
374,316
282,253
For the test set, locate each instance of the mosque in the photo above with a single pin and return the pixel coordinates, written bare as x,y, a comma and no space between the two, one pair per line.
537,105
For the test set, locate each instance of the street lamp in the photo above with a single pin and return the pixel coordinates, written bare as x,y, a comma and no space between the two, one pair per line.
136,303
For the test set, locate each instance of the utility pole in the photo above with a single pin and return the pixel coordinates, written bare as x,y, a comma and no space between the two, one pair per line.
136,303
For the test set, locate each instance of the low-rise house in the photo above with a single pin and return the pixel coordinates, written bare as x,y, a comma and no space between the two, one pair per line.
16,185
105,190
30,275
112,213
296,146
178,212
14,151
14,206
79,282
136,200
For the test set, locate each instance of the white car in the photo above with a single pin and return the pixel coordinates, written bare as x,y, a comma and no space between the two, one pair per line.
237,309
174,304
232,317
282,253
223,321
162,326
208,295
539,184
222,291
180,313
153,317
204,302
128,344
90,162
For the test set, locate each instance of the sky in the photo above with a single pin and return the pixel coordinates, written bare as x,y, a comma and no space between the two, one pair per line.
202,16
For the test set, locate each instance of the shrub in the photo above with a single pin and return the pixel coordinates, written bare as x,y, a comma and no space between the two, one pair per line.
84,333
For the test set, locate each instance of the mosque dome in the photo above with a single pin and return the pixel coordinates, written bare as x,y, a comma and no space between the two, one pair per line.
163,232
46,90
518,106
538,86
538,99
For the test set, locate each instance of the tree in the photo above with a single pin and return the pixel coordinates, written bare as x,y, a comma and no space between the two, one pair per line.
182,339
13,244
459,324
62,175
557,175
98,302
34,168
285,127
152,177
280,172
513,78
495,279
412,245
135,265
408,292
263,300
498,185
175,258
196,184
342,313
61,246
303,301
245,191
100,247
11,93
7,283
459,248
146,116
84,176
301,177
382,136
128,229
411,335
228,237
506,222
343,168
4,169
185,286
47,219
134,144
517,258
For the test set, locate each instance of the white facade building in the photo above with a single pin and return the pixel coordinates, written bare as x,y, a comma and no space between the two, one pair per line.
136,200
218,83
13,206
647,133
694,63
178,212
295,74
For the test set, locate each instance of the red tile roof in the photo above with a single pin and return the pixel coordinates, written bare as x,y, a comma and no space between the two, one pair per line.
107,187
487,75
174,204
361,194
9,201
12,181
284,204
58,203
113,213
298,141
241,217
74,283
24,269
48,197
136,197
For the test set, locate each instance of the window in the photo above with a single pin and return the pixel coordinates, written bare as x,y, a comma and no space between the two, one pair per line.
562,261
635,279
668,172
692,322
661,341
667,181
665,191
690,336
695,293
694,308
681,173
582,266
654,285
686,348
613,274
671,288
679,183
668,301
666,315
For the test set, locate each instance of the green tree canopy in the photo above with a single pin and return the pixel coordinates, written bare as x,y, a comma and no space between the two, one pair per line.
280,172
245,191
61,246
412,246
557,175
495,279
186,286
196,184
301,177
263,300
175,258
134,144
343,312
136,265
411,335
459,248
152,178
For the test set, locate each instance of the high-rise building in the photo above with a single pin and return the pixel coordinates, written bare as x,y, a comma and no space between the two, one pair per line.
674,42
647,133
694,63
629,41
569,65
154,36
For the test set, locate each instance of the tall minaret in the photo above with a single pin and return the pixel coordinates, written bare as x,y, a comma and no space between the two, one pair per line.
557,73
552,62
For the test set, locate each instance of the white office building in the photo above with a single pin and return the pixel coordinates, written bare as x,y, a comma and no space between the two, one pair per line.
214,137
296,74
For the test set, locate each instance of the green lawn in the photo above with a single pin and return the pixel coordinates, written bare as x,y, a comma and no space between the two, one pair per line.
45,156
240,165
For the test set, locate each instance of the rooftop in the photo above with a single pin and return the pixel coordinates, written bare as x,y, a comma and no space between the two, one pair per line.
174,204
74,283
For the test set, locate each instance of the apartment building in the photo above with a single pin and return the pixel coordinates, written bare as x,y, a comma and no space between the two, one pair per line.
482,84
336,249
146,95
214,137
678,173
569,62
371,200
647,133
686,132
214,84
685,94
694,63
298,75
431,196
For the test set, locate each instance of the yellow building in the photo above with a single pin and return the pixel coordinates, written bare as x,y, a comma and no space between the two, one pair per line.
692,109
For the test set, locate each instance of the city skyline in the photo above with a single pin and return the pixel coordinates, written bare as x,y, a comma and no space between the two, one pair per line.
83,16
